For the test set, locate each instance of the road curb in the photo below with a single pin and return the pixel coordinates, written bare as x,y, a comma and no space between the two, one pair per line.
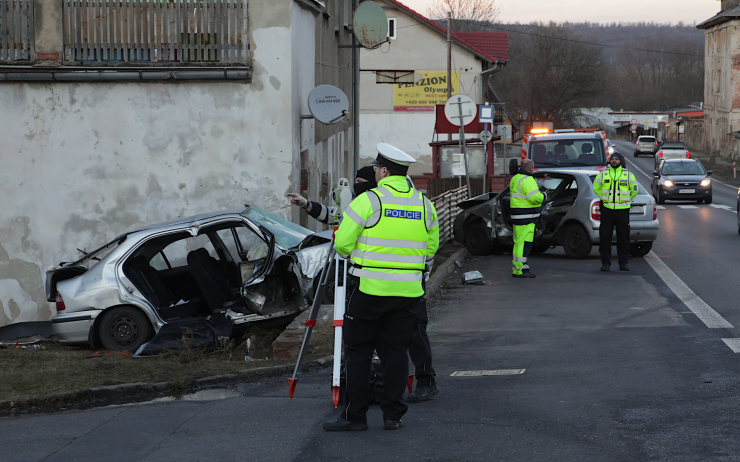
106,395
435,280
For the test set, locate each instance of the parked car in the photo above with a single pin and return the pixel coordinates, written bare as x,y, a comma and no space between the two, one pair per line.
682,179
671,150
586,150
570,217
645,145
246,263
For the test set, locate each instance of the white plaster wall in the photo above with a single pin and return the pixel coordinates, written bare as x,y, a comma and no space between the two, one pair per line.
83,163
409,132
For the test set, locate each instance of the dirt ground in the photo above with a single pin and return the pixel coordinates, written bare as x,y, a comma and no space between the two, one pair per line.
50,374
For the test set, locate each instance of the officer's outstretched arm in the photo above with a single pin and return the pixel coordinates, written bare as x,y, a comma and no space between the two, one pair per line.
353,222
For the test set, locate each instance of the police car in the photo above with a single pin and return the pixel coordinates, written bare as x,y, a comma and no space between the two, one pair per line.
566,149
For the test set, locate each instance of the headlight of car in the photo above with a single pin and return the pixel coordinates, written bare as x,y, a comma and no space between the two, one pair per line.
705,182
668,183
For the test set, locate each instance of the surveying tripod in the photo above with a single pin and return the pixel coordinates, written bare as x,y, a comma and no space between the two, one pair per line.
340,296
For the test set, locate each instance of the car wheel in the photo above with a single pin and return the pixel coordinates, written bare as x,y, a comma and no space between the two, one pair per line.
124,329
576,243
708,199
640,249
635,153
477,240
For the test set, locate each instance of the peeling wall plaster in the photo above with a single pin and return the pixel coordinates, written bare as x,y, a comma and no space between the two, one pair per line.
87,162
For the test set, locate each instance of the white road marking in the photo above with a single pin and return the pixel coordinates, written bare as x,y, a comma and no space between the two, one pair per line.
733,343
719,206
688,207
660,207
482,373
699,307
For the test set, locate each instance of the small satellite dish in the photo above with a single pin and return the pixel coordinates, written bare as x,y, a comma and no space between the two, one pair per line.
370,25
328,104
452,109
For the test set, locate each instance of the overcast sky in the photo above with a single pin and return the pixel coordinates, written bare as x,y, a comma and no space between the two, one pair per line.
525,11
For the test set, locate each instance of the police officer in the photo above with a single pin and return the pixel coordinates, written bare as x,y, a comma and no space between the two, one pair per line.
388,232
364,181
616,186
526,200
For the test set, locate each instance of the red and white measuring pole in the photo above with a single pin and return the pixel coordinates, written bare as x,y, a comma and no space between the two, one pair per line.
340,295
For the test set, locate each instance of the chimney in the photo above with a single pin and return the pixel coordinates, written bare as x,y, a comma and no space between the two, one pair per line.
729,3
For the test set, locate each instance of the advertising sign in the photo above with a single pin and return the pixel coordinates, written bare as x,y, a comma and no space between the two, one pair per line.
423,95
458,164
621,117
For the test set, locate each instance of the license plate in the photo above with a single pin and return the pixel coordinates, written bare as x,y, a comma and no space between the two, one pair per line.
637,209
686,191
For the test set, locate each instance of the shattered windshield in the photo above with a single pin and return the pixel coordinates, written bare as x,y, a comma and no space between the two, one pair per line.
568,153
288,235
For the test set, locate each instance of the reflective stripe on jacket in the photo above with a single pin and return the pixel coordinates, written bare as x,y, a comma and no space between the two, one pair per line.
526,199
616,187
389,232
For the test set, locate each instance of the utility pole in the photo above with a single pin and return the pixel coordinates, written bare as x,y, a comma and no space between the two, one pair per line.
355,95
449,62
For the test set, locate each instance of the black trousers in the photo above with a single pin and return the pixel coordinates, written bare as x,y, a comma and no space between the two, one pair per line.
611,219
385,323
420,350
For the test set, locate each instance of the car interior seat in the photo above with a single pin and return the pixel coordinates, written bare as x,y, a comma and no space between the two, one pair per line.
540,153
560,153
147,280
587,155
212,283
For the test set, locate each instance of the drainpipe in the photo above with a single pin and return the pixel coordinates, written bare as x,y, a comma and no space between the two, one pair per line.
497,66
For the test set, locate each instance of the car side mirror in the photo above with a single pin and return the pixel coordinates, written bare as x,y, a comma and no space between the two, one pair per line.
709,172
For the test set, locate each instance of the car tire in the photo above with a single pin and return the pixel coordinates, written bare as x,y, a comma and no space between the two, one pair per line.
659,198
124,328
640,249
708,199
576,242
636,155
476,239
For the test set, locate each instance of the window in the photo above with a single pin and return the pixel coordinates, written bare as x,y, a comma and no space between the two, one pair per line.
392,28
177,252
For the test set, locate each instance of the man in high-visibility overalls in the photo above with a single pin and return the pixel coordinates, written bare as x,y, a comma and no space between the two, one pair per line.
526,200
616,186
388,232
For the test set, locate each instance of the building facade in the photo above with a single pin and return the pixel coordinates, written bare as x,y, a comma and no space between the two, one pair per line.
722,81
106,133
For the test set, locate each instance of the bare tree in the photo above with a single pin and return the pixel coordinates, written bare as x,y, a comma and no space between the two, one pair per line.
467,15
550,75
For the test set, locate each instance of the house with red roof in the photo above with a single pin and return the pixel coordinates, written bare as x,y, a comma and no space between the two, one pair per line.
403,114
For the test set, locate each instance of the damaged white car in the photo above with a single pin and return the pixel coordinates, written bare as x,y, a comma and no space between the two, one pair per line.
232,267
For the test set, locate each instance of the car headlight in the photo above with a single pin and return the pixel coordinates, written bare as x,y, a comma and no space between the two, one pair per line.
705,182
668,183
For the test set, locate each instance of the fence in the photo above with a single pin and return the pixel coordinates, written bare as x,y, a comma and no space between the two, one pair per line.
155,31
16,30
446,206
437,186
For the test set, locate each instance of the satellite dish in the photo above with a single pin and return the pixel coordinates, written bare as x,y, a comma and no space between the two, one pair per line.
453,106
370,25
328,104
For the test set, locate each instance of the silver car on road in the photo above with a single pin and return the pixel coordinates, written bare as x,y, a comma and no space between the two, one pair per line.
245,264
570,217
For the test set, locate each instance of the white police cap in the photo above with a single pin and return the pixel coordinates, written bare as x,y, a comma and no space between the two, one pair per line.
388,154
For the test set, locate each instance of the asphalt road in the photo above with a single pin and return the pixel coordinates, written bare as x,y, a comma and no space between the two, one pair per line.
618,366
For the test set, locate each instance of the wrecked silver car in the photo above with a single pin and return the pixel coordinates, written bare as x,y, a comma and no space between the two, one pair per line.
234,267
570,218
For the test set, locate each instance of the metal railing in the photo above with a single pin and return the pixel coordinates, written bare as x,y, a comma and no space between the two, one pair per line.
155,31
446,206
16,30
